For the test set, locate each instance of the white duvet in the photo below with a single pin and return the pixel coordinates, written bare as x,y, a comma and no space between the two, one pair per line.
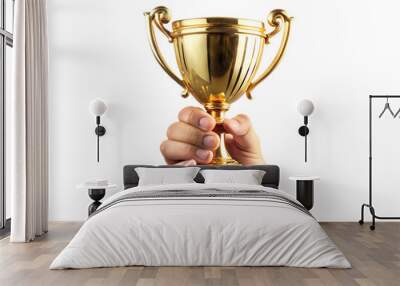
200,231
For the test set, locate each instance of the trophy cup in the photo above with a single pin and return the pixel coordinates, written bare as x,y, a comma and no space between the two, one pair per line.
218,59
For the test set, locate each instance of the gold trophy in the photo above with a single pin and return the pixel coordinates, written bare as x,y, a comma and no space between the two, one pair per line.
218,59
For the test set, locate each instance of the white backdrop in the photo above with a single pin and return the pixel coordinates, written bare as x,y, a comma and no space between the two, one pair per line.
339,52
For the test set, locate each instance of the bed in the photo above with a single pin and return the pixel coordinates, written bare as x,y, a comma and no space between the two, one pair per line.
198,224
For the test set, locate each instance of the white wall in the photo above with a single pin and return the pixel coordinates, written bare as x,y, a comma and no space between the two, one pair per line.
339,52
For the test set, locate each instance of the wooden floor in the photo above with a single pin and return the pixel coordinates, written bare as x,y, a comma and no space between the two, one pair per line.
375,257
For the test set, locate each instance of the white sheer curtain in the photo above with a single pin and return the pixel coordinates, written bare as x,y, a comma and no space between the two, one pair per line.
28,159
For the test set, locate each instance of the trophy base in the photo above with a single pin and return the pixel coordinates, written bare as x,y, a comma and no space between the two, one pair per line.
224,161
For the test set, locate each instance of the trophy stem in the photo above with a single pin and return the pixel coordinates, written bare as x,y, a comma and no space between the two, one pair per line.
220,155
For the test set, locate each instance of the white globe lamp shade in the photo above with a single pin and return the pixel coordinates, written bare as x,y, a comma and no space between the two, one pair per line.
305,107
97,107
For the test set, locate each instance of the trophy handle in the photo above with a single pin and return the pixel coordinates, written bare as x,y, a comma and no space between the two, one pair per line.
275,19
160,16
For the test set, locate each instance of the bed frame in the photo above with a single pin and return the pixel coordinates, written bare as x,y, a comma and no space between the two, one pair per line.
270,179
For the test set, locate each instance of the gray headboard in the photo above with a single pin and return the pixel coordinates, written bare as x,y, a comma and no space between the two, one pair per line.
270,179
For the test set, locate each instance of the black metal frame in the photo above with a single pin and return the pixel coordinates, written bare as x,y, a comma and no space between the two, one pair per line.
6,39
370,205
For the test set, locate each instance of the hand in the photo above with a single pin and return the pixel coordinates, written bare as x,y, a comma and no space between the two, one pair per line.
191,140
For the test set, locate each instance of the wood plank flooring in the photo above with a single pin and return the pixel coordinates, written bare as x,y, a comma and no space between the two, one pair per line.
375,257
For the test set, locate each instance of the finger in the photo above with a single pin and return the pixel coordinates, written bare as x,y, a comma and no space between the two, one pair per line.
175,151
197,117
243,133
239,125
183,132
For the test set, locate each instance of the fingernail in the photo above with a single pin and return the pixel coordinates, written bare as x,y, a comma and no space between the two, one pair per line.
205,124
203,154
235,125
209,141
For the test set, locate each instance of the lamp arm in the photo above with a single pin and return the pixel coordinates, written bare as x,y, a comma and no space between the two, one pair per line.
98,146
99,131
98,137
305,148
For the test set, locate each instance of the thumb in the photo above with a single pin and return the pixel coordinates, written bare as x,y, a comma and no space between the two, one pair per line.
242,141
242,131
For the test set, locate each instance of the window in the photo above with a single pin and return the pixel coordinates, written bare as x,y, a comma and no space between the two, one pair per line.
6,44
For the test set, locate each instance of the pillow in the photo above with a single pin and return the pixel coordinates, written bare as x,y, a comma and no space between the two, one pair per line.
248,177
163,176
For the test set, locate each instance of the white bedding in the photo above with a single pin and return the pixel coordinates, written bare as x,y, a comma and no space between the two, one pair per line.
227,231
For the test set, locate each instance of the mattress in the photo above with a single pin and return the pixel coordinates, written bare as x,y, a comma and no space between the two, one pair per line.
201,225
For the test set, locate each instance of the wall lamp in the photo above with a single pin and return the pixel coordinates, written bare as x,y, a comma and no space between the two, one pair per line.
305,108
97,107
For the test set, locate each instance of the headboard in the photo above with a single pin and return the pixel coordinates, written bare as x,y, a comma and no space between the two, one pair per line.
270,179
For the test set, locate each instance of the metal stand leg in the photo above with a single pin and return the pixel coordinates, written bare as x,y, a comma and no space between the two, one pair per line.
361,221
374,216
372,210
